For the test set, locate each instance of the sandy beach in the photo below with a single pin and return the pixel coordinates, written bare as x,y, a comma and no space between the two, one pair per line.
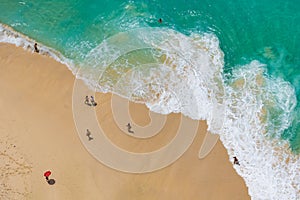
38,133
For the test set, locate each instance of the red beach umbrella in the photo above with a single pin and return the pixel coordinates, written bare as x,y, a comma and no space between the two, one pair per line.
47,173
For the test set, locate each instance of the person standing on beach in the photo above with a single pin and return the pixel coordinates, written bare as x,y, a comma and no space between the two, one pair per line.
128,126
86,100
93,101
36,49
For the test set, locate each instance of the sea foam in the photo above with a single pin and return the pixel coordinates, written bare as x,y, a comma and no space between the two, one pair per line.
187,77
172,72
268,167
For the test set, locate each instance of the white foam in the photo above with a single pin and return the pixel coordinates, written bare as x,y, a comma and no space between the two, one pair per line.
189,80
267,166
196,59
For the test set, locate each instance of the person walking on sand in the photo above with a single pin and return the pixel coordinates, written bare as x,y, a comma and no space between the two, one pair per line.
88,134
129,128
36,49
236,161
93,101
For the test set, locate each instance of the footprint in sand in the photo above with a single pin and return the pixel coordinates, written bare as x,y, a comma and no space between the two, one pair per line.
14,171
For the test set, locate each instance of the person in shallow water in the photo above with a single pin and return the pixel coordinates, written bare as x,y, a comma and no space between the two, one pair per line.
160,20
236,161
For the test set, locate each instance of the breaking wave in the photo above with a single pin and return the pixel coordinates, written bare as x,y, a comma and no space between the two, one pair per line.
173,72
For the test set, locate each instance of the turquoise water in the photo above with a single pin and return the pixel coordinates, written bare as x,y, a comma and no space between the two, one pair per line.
264,30
252,48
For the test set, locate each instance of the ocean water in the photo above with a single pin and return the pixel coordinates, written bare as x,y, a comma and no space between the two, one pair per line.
235,64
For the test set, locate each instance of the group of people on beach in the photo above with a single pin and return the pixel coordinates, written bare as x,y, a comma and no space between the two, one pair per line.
90,102
89,134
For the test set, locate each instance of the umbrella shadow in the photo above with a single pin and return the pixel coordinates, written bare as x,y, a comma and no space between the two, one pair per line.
51,181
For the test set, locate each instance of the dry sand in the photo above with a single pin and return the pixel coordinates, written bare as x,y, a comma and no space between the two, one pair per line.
38,133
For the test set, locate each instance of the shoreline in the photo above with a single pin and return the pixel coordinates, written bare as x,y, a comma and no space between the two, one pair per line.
10,36
42,102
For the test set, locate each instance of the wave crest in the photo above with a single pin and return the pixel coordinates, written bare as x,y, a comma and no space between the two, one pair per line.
172,72
269,168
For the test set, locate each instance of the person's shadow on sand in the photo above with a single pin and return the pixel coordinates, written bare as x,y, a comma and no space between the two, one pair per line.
51,181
